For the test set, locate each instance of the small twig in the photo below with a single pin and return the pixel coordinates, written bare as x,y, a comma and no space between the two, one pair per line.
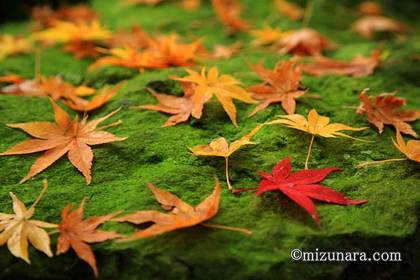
243,230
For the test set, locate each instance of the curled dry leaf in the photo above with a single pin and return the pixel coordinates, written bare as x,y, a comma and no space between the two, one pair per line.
220,148
181,215
77,233
289,10
381,110
17,229
224,87
370,8
180,107
104,95
281,85
305,41
357,67
368,25
62,137
11,45
228,12
302,186
315,125
411,149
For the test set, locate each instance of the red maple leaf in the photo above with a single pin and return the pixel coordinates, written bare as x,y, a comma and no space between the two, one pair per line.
301,186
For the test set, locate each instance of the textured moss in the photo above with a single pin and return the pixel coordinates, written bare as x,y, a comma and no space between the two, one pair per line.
389,222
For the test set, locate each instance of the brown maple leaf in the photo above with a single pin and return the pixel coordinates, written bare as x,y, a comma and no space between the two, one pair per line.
81,49
21,86
63,137
357,67
370,8
180,107
305,41
289,10
77,233
228,12
181,215
104,95
281,85
368,25
381,110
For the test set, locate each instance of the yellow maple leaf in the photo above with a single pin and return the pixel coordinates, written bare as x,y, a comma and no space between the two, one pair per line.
224,87
10,45
220,148
315,125
18,229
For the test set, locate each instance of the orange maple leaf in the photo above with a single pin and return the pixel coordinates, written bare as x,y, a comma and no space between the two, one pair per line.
77,233
280,85
224,87
228,12
289,10
370,8
181,215
81,49
380,110
60,138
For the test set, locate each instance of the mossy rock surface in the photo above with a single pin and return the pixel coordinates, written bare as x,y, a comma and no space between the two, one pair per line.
389,222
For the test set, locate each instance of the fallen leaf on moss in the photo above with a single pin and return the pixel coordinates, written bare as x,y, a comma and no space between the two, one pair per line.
370,8
136,38
223,52
18,229
77,233
281,85
228,12
358,67
302,186
12,45
289,10
315,125
267,36
181,215
381,110
220,148
411,149
305,41
368,25
82,49
224,87
60,138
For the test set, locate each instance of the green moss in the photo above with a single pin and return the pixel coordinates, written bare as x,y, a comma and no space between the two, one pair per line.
389,222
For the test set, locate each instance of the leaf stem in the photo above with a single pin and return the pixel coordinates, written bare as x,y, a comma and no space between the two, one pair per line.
243,230
368,163
45,182
227,173
110,125
309,151
308,13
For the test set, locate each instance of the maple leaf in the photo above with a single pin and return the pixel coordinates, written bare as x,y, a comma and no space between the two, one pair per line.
315,125
302,186
280,85
147,2
305,41
411,150
228,12
18,229
370,8
368,25
63,137
77,233
136,38
267,36
21,86
289,10
358,67
11,45
81,49
46,17
222,51
181,215
64,32
180,107
190,4
220,148
131,58
381,110
224,87
105,94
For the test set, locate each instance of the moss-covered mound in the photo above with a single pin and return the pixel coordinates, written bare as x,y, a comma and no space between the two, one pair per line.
389,222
